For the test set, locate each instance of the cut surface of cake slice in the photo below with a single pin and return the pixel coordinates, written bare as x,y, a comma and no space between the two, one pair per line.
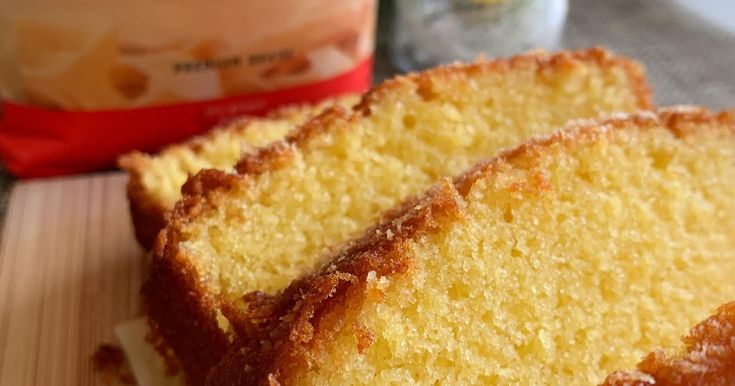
156,180
558,262
258,229
707,357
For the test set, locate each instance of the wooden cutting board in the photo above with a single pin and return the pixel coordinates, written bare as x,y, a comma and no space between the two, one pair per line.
70,271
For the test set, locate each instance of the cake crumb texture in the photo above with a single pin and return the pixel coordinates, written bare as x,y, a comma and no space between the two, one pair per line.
558,262
290,205
156,180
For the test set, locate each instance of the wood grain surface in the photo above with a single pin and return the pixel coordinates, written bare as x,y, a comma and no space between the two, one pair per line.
70,271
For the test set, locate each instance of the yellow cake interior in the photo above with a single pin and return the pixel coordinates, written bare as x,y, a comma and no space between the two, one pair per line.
564,266
262,234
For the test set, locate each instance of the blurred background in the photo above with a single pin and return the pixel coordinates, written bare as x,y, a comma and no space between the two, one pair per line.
688,46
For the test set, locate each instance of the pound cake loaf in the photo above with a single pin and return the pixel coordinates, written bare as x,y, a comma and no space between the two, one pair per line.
706,358
156,180
257,230
555,263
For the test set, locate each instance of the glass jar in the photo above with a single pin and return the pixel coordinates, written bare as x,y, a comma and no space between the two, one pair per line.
432,32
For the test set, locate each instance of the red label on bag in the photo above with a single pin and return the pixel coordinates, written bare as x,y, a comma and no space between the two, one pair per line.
37,142
82,82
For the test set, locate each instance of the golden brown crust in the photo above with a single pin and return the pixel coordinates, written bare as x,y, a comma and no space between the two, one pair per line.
147,210
708,359
273,157
174,305
632,378
177,300
310,310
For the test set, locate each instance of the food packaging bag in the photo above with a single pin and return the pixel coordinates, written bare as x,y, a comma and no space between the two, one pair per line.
82,81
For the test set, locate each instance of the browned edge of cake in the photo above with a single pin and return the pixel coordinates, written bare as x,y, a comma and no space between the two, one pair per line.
299,322
178,303
272,157
708,359
147,211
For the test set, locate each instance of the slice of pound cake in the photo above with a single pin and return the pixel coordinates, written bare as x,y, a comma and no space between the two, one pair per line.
707,357
555,263
257,230
156,180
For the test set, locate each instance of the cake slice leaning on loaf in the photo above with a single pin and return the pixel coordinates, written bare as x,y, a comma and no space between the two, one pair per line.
156,180
555,263
331,178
